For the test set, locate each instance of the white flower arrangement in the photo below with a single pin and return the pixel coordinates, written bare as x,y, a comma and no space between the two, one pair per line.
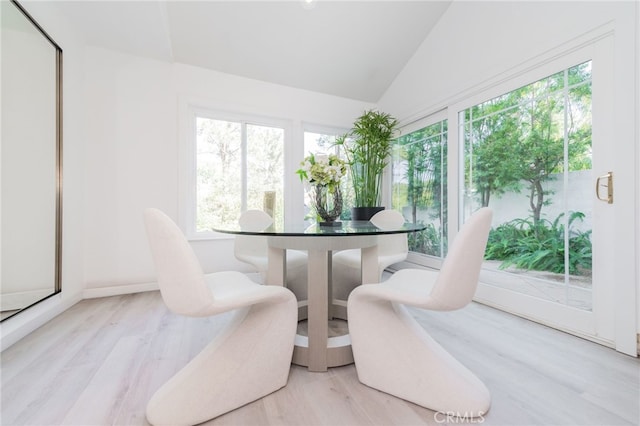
322,170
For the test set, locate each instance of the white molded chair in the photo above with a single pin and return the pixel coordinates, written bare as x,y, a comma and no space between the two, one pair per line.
247,360
394,354
252,249
392,248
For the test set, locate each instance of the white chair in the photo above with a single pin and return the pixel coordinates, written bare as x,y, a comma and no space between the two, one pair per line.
392,248
252,249
394,354
247,360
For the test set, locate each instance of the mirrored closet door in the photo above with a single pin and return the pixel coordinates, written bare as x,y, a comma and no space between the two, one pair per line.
30,162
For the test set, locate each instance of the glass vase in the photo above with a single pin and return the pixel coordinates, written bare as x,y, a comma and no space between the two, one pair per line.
328,204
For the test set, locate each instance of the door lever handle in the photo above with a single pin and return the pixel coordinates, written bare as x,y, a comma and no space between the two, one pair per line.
608,185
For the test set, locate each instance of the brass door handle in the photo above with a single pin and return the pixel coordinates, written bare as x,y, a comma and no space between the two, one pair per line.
608,185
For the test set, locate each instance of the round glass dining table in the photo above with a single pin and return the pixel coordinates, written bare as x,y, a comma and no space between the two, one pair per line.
318,351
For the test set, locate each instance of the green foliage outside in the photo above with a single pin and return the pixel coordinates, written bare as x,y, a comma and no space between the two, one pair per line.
540,246
422,155
430,241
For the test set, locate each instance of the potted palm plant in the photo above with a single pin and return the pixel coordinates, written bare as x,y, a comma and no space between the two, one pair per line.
367,147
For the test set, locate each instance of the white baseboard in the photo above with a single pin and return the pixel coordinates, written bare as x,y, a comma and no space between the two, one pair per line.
92,293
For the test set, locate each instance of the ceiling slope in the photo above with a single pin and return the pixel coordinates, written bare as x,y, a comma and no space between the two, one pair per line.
352,49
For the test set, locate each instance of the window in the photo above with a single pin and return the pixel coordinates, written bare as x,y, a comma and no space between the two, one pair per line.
419,185
239,165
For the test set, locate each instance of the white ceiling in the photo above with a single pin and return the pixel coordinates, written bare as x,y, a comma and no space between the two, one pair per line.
352,49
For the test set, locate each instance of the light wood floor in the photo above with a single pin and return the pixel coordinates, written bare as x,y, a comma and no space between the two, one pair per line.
99,362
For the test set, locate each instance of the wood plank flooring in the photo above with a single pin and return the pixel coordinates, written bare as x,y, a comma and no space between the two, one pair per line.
99,363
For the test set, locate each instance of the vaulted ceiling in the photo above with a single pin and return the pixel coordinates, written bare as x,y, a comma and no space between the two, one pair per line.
352,49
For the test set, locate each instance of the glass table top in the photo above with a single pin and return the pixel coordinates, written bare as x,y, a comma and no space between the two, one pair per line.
344,228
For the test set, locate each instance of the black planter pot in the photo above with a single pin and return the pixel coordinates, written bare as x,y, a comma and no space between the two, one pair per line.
364,213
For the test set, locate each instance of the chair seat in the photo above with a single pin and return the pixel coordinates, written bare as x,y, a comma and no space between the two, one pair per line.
233,290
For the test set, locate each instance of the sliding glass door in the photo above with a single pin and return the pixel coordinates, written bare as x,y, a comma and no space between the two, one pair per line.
531,148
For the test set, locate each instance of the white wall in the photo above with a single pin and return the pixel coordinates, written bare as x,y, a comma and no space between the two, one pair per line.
478,43
73,175
133,145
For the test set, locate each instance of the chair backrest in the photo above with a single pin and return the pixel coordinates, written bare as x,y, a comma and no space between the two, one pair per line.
254,220
458,279
179,273
393,243
387,219
252,245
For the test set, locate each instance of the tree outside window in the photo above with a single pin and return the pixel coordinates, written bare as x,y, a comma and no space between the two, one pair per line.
532,147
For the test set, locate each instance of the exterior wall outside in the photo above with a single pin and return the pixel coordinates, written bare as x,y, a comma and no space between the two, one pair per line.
513,205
